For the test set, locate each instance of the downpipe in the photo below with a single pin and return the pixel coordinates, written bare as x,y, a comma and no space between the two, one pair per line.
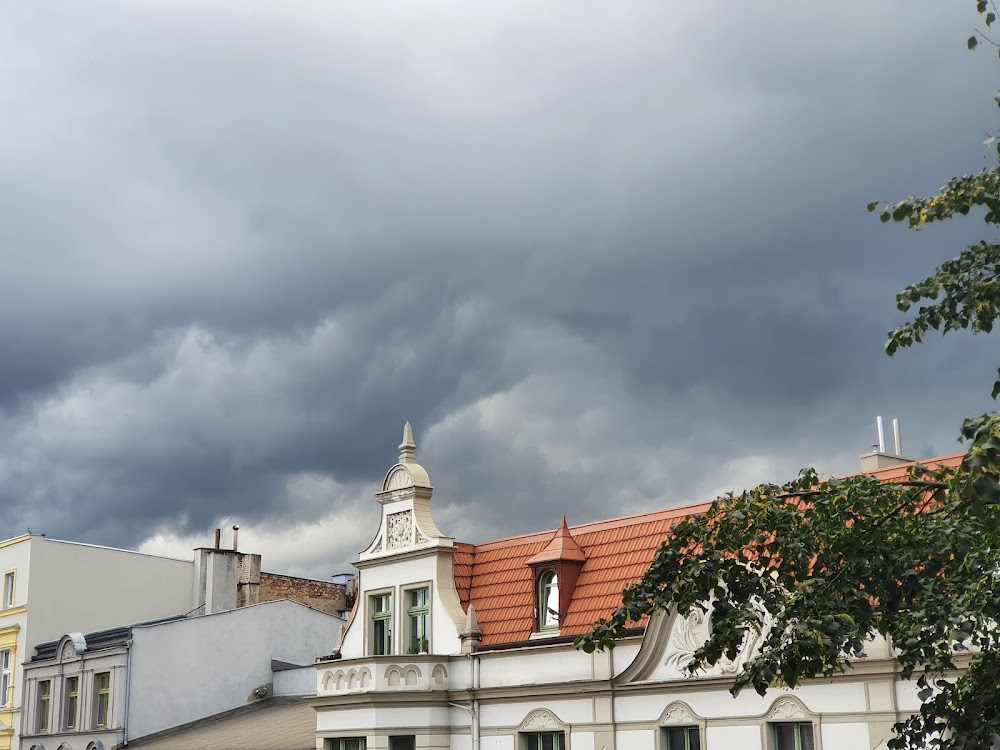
128,689
473,707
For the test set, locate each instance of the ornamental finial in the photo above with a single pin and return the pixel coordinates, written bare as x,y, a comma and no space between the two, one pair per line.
407,447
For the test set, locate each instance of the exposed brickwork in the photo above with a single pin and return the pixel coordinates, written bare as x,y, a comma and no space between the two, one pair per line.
325,596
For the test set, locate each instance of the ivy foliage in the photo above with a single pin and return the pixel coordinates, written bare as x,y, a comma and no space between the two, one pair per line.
819,568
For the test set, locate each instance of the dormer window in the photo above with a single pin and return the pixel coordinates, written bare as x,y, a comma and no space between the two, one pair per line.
548,600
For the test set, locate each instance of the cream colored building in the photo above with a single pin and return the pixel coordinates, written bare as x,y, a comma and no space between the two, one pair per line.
51,586
469,647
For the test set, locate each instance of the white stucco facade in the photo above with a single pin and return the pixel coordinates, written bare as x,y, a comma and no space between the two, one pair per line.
61,585
167,674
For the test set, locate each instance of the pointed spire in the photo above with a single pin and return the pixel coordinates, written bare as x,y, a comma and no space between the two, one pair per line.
407,447
472,636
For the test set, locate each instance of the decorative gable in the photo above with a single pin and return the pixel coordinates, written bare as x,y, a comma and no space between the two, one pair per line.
406,507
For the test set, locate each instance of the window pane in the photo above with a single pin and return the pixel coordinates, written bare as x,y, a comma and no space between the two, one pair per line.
8,590
694,739
784,737
805,736
402,743
548,600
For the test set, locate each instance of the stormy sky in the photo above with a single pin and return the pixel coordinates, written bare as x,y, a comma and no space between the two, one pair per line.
606,257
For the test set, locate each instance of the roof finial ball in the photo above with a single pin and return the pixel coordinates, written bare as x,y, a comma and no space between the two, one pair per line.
407,447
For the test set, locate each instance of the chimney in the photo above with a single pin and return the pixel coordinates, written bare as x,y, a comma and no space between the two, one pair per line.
218,538
878,458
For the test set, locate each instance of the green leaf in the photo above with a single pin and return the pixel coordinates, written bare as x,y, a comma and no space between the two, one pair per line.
972,42
990,18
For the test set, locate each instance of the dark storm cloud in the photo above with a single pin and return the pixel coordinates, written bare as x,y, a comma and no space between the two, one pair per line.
605,258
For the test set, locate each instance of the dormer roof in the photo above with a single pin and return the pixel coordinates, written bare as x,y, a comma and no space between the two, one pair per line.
561,547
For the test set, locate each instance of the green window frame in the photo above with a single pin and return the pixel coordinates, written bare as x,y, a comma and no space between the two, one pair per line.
345,743
548,595
42,706
793,736
681,738
418,638
543,741
72,692
380,606
102,699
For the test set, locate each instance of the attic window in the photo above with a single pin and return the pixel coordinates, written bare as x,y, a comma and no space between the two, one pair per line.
548,600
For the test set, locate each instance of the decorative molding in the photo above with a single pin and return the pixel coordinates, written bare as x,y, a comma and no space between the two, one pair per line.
541,720
690,633
787,708
399,479
399,529
654,642
418,537
677,713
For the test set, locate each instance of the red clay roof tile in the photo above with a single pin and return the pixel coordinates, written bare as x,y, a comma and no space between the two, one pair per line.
496,578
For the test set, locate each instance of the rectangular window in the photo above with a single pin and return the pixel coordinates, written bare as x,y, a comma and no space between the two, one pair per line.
797,736
72,692
102,699
403,743
345,743
681,738
417,613
8,590
381,621
42,706
5,682
543,741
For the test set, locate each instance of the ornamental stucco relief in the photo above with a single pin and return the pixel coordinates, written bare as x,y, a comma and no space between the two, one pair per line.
399,529
691,632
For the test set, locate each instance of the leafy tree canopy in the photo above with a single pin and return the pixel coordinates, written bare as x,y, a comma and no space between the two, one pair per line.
833,563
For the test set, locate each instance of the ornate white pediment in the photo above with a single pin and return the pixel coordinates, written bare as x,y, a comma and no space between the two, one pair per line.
541,720
787,708
677,713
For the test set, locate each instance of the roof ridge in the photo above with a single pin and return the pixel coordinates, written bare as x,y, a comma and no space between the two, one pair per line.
675,511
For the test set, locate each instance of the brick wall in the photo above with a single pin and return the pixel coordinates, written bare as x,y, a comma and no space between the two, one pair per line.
322,595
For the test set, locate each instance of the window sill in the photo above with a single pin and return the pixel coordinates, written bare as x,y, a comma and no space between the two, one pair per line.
13,611
547,633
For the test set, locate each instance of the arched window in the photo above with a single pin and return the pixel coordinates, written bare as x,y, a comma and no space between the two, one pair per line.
548,600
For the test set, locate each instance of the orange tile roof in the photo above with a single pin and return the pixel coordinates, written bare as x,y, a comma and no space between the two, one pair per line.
495,576
500,582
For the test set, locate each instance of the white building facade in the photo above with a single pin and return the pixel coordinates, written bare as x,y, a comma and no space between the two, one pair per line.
103,690
470,648
47,580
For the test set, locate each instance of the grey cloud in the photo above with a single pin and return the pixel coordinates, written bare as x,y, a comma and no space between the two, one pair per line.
605,258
